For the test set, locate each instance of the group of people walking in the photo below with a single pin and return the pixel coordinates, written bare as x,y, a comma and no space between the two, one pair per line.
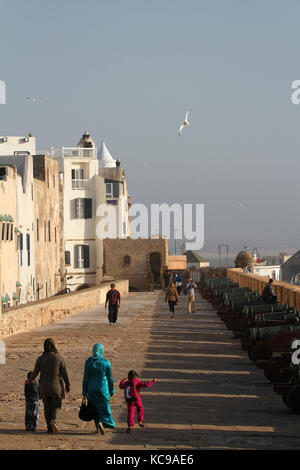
173,291
97,386
97,383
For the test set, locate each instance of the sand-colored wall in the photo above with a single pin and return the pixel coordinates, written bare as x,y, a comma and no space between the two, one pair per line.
9,261
139,250
28,317
46,210
286,293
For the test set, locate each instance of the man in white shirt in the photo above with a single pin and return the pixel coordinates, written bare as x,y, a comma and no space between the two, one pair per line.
190,296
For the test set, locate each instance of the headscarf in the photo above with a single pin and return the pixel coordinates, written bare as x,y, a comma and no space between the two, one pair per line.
98,351
49,346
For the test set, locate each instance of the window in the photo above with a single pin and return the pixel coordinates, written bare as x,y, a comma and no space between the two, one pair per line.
3,231
37,230
67,258
55,234
45,231
127,259
82,256
83,208
112,189
49,231
21,248
53,181
28,248
48,182
7,232
78,181
78,174
108,190
12,231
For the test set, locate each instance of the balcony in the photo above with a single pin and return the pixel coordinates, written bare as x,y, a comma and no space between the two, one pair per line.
79,152
80,184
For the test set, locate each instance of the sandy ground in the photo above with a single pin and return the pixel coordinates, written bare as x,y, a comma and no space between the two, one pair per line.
208,394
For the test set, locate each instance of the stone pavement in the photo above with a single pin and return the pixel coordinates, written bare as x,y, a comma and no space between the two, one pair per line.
208,394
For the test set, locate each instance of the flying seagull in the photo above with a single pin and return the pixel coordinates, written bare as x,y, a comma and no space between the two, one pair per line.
242,206
33,99
185,122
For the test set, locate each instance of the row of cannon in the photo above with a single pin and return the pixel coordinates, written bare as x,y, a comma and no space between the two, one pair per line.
268,332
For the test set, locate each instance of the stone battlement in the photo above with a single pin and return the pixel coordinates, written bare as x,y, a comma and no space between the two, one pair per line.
286,293
34,315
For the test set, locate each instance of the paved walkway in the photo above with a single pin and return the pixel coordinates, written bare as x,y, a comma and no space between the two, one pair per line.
208,394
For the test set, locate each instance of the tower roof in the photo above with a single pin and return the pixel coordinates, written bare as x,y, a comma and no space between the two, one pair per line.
86,141
105,158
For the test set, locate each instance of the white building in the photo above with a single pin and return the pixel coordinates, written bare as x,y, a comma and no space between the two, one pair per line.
272,272
88,181
12,145
116,193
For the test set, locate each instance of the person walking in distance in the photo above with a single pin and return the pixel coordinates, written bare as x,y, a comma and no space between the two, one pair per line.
190,295
171,297
113,299
178,283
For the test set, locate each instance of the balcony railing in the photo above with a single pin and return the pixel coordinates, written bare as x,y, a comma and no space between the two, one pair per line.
78,152
80,184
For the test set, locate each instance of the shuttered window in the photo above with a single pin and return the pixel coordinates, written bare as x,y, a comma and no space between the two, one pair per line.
21,248
82,256
67,258
83,208
28,248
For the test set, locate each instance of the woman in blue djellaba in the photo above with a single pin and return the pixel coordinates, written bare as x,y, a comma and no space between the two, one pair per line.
98,385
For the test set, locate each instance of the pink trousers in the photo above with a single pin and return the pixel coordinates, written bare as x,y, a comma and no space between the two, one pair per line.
131,410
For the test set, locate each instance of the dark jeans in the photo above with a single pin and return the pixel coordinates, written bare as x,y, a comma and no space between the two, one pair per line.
271,299
31,415
112,313
178,290
171,305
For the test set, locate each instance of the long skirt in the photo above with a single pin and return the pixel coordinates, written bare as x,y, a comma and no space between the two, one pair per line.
103,409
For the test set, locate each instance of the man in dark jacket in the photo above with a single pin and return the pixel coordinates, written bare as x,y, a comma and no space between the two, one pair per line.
113,299
268,293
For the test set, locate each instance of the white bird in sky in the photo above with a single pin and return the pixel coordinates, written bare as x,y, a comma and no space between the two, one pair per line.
242,206
185,122
33,99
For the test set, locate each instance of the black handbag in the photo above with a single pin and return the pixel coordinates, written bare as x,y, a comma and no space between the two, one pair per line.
87,410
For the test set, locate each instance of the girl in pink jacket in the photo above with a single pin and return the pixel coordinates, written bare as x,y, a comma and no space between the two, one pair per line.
131,387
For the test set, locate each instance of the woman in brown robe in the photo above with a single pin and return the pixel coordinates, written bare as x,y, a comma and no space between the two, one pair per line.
52,369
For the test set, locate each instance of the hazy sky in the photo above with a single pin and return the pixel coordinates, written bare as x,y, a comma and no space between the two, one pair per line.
127,71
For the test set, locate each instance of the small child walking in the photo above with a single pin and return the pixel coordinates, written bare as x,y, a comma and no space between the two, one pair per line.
131,387
31,392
